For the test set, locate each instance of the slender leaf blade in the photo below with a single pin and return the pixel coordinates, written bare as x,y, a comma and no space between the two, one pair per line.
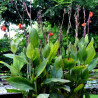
55,80
41,67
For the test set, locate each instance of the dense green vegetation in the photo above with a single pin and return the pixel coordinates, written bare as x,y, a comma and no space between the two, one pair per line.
55,48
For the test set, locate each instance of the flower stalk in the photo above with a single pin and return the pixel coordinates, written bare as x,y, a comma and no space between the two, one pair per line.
84,22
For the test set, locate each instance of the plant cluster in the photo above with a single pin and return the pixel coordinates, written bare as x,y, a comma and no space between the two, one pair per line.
49,74
51,68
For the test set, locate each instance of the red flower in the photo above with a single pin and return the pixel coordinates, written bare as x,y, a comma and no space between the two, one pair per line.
3,28
91,14
84,24
50,34
20,26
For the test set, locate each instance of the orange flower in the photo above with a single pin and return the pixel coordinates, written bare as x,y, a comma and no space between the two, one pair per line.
84,24
91,14
90,21
50,34
20,26
3,28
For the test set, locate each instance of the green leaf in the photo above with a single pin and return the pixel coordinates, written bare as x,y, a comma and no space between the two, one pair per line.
43,96
36,54
13,47
90,54
9,55
77,69
56,95
76,41
59,73
46,51
33,37
7,65
20,83
58,63
17,64
79,87
90,44
15,71
21,57
76,72
73,53
41,67
56,73
69,63
65,87
85,74
57,80
63,52
4,77
53,50
13,91
81,42
82,54
30,51
93,64
19,61
86,39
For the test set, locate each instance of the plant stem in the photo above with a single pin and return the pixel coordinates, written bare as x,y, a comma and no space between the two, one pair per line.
84,22
88,24
69,23
76,20
60,31
26,9
45,32
9,39
40,49
35,86
27,71
30,13
48,40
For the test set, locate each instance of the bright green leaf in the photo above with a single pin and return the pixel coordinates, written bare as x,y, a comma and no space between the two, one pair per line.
58,63
90,54
41,67
7,65
36,54
20,83
13,91
14,47
79,87
53,50
33,37
9,55
30,51
46,51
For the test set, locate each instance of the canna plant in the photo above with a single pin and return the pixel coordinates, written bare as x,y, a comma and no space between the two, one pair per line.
47,72
78,65
38,64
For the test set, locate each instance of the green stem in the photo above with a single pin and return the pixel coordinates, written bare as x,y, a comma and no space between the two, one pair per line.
27,71
35,86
